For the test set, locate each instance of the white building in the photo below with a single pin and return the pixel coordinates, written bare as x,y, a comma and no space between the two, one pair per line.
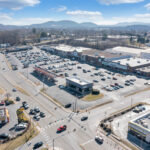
140,126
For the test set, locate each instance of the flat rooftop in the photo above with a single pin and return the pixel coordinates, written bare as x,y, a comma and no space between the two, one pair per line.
79,81
69,48
99,53
134,51
144,69
143,121
132,62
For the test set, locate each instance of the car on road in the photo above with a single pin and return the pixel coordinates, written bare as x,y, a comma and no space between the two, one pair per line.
14,90
61,129
26,106
18,98
99,139
84,118
114,78
37,145
61,86
21,126
127,84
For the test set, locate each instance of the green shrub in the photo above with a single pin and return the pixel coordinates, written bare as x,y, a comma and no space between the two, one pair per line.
95,92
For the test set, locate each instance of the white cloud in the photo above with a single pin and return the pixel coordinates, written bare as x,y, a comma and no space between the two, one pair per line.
17,4
85,16
5,17
148,6
81,12
61,8
119,1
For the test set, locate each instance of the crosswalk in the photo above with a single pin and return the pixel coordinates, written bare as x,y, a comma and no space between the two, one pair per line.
57,122
47,138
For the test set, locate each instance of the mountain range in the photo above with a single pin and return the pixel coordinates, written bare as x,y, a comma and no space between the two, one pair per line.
67,24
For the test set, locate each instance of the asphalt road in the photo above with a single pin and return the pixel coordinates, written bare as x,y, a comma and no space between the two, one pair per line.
79,134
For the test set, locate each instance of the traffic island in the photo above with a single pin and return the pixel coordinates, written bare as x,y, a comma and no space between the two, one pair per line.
94,95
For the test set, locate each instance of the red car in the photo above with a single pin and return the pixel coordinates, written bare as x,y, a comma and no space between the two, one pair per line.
2,103
61,129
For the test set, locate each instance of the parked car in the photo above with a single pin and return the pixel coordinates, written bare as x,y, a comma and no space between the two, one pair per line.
36,109
4,136
103,79
141,108
7,102
2,103
99,139
24,102
37,145
96,81
42,114
84,118
136,110
32,112
61,129
61,86
36,117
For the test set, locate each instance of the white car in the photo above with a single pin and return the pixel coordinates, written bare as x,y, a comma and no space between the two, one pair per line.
99,139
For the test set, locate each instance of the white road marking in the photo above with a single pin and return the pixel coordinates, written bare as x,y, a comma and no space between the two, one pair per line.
87,142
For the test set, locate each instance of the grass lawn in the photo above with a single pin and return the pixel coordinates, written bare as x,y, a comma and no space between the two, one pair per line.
11,145
2,91
91,97
22,90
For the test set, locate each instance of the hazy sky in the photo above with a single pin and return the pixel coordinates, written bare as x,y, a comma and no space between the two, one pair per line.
23,12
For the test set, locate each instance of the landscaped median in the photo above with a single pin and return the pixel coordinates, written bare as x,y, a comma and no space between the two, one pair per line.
23,137
94,95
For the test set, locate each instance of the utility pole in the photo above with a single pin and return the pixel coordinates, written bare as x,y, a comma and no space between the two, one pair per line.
27,74
131,102
43,82
53,144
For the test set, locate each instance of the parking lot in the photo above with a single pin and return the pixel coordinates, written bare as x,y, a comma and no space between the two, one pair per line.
111,84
